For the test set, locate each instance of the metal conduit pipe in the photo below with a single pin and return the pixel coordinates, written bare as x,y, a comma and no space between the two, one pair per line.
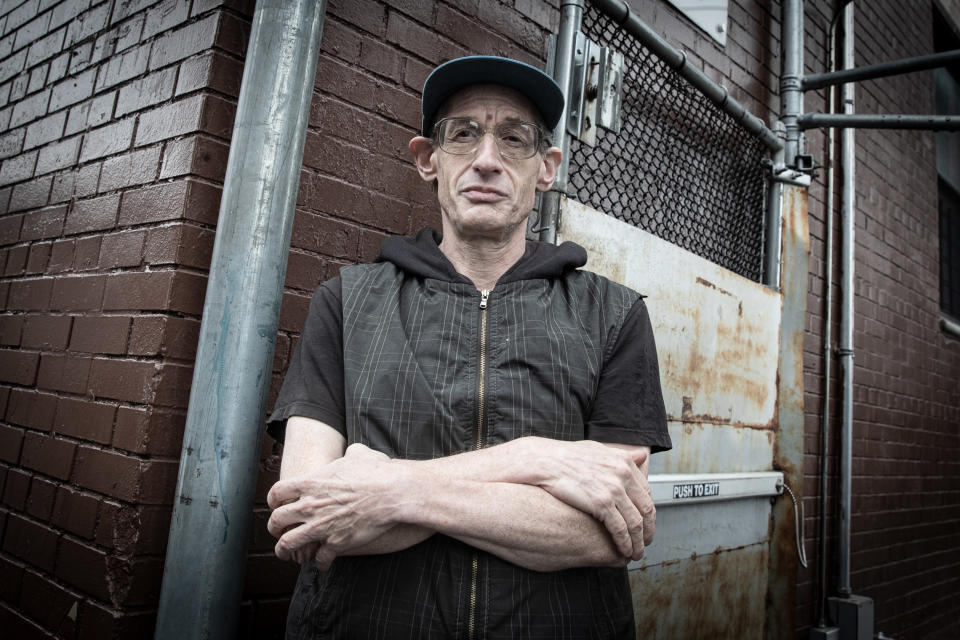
571,16
950,326
791,75
870,121
772,221
620,13
827,335
846,310
206,552
895,67
827,353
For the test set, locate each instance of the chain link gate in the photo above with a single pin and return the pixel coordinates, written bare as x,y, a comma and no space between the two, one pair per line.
680,167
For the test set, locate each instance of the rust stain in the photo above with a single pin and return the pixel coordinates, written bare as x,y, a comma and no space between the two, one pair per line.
788,444
704,596
707,283
724,359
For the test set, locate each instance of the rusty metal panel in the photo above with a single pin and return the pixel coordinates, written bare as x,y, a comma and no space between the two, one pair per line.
717,332
703,447
687,532
788,453
719,595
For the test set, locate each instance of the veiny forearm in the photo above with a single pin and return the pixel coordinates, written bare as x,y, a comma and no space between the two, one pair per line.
500,464
519,523
401,536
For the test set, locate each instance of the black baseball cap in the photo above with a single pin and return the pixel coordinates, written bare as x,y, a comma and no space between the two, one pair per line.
452,76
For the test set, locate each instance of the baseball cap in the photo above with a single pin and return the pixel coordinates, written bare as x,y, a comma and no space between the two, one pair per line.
452,76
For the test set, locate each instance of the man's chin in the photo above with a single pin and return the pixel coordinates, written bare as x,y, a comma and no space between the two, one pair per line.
491,225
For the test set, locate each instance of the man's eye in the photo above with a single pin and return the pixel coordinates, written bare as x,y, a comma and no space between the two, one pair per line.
462,133
515,138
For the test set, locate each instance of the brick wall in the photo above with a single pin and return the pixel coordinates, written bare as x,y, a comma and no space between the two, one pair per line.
906,473
114,123
114,128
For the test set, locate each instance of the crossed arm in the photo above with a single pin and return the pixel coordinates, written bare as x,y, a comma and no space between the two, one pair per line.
539,503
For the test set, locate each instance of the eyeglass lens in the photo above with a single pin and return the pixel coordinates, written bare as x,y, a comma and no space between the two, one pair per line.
515,139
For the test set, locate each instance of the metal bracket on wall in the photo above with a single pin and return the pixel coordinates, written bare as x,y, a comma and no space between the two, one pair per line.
595,94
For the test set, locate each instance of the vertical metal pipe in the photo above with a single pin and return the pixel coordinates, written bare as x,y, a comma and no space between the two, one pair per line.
827,343
846,309
773,219
206,552
571,16
791,77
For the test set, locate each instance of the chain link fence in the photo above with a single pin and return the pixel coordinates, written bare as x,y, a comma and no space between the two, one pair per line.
680,167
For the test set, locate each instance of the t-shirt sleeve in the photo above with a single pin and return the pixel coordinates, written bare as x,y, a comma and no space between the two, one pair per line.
313,386
628,407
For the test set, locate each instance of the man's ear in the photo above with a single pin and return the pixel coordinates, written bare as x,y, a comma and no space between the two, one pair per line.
425,157
548,168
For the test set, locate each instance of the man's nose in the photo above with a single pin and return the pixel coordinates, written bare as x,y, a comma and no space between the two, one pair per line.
487,156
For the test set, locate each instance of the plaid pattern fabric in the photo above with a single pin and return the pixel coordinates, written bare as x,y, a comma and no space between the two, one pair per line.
411,350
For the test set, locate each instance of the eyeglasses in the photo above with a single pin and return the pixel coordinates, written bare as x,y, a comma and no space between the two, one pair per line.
515,139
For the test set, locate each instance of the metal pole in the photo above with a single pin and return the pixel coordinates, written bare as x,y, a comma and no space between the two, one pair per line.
620,13
571,15
846,311
950,326
206,552
791,95
773,221
870,121
827,343
895,67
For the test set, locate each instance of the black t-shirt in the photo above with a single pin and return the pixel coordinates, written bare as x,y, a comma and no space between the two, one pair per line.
628,408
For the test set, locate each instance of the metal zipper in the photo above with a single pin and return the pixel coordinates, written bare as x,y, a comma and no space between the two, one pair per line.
482,368
481,399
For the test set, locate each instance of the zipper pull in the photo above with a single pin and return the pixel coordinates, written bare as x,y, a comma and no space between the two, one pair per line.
483,298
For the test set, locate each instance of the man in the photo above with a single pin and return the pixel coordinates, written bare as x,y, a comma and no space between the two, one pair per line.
469,419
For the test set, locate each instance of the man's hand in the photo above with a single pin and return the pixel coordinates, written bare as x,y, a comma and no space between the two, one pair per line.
609,483
343,505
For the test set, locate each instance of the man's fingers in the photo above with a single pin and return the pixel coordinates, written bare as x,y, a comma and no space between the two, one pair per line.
635,522
282,493
649,524
637,536
305,553
648,511
324,557
283,518
295,538
619,532
638,456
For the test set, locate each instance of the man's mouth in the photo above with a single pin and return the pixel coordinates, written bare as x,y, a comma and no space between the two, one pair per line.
482,194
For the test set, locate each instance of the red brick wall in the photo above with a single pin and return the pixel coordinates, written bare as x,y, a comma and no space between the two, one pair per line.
906,467
116,120
114,123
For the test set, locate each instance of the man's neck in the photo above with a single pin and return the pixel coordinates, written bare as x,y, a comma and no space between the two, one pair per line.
483,260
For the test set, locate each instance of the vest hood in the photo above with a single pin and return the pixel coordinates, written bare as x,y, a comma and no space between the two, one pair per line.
421,256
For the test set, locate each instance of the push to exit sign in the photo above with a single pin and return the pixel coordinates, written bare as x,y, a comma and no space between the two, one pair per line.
696,490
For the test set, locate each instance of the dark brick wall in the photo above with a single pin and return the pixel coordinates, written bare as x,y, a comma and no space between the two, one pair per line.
114,123
906,430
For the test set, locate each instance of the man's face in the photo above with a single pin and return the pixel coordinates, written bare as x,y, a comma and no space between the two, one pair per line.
484,194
